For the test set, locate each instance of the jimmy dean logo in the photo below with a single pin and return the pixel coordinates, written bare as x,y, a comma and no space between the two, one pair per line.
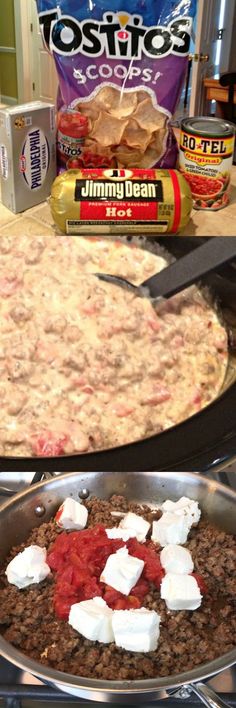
117,191
119,35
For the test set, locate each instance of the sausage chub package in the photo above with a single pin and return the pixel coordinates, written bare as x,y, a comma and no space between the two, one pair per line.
120,201
121,66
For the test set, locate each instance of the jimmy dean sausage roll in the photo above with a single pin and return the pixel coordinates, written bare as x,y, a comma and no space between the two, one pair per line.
114,201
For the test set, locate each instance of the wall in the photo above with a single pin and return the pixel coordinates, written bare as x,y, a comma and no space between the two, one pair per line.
8,71
232,59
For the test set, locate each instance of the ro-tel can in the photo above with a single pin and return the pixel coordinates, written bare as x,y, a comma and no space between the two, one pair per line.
206,158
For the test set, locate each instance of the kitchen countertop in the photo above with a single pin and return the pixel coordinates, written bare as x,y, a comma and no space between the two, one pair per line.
38,221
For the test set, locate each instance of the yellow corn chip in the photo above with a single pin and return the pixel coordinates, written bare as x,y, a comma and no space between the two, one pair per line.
134,136
125,127
158,142
149,117
108,130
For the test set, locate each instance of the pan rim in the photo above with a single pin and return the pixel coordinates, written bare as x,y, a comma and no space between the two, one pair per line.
144,686
192,426
206,417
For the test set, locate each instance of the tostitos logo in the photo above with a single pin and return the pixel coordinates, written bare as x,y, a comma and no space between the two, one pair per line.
118,35
34,160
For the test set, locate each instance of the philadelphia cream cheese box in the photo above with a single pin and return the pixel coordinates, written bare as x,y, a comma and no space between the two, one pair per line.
27,154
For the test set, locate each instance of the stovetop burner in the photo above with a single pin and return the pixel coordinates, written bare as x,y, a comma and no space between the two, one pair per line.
18,689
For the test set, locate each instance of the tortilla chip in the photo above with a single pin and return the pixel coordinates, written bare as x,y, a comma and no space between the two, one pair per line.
149,117
125,126
148,159
158,141
126,156
91,145
124,105
136,137
89,109
108,130
94,147
142,96
105,98
114,101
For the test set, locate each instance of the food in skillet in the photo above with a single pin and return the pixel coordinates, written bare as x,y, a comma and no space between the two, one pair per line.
86,366
167,606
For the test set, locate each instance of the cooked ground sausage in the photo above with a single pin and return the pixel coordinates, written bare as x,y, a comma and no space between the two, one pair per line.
187,639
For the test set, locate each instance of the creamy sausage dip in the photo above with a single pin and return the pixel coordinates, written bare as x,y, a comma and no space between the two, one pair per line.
85,365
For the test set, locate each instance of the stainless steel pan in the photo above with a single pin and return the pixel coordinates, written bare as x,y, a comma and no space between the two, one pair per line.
30,508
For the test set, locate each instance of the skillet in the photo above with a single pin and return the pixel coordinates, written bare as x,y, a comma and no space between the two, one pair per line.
204,441
37,505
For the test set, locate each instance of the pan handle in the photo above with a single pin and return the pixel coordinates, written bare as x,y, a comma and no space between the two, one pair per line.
208,696
205,693
7,492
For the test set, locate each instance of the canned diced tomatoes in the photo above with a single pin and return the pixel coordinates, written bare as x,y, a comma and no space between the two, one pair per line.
206,158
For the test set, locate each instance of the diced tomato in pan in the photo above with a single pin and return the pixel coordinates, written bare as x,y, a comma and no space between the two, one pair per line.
201,583
78,558
141,588
8,286
62,607
153,571
48,445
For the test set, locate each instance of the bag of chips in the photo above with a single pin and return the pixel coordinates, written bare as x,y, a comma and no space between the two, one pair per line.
121,67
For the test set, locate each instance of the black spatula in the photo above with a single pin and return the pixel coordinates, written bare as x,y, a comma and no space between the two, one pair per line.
183,272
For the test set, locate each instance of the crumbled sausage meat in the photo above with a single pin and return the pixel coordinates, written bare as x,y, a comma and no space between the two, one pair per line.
187,639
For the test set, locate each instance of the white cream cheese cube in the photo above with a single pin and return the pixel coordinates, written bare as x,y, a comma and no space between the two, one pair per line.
137,523
176,559
117,532
92,619
122,571
180,592
136,630
187,507
72,515
28,567
170,528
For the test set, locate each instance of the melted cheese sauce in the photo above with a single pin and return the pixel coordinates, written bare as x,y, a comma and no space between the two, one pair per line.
85,365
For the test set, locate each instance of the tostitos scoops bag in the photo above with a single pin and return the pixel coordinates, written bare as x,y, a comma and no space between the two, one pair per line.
121,67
